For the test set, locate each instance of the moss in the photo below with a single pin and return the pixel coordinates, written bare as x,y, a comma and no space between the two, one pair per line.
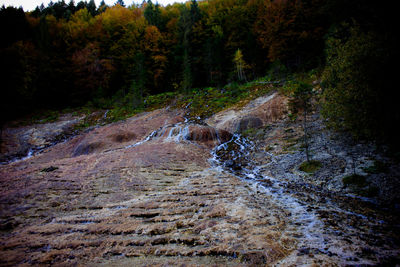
355,180
377,167
252,133
269,148
49,169
310,166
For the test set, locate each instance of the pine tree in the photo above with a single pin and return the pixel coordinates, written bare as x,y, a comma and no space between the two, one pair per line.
152,13
91,7
120,2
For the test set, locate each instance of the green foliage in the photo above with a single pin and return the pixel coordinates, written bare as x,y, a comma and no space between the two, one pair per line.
300,94
241,65
310,166
60,55
45,116
358,84
160,100
207,101
277,71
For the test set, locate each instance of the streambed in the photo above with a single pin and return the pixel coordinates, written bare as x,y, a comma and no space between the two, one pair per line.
349,229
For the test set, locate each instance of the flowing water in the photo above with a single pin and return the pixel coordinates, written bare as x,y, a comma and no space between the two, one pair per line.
347,229
344,228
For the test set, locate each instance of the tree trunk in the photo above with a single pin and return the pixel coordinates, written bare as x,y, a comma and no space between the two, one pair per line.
306,134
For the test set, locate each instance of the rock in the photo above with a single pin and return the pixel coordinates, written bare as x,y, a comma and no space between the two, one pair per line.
224,136
122,137
268,109
206,134
18,141
87,148
248,123
160,201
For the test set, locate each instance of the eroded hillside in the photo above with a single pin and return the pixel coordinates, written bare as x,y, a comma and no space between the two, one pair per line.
160,189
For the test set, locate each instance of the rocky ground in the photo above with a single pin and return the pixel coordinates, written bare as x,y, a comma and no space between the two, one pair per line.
147,191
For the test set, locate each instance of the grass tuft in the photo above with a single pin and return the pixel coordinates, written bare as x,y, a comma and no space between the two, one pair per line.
310,166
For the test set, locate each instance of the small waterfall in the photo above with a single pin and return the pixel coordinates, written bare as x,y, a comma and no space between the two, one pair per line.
184,132
175,133
178,133
148,138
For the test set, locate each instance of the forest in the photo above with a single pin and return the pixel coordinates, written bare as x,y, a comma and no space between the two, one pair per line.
69,55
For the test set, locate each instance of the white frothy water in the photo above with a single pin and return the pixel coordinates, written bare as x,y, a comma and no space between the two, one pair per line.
309,224
178,133
312,235
149,137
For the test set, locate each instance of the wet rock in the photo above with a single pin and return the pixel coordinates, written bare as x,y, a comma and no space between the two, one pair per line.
18,141
224,136
207,134
121,205
202,134
303,251
232,164
8,224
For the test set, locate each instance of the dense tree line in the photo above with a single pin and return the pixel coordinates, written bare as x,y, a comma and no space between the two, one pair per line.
67,54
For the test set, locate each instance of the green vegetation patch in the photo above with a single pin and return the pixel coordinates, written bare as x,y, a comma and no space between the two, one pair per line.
310,166
377,167
204,102
49,169
355,180
360,185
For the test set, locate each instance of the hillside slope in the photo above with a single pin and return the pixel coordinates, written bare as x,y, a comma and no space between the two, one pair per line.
159,189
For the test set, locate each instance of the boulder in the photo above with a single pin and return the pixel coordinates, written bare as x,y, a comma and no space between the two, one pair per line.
207,134
267,109
248,123
87,148
122,137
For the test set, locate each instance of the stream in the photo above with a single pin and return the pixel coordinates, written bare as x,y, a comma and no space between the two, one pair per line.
350,229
